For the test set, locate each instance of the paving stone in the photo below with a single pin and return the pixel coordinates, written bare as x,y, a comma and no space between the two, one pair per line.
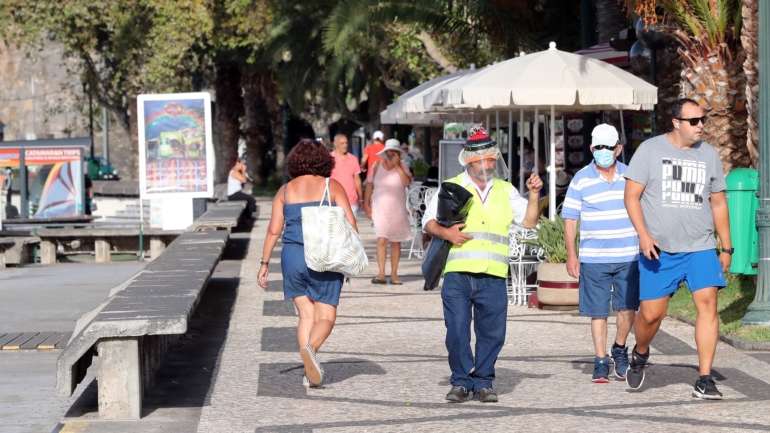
387,370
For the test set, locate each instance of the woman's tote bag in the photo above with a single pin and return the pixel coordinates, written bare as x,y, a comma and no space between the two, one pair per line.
331,244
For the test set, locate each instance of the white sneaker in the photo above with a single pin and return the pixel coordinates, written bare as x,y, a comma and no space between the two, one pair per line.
313,370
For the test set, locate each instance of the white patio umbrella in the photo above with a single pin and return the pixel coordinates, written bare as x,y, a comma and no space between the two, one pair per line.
546,80
409,109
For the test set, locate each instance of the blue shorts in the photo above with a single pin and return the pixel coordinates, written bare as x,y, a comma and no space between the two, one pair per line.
662,277
602,284
299,280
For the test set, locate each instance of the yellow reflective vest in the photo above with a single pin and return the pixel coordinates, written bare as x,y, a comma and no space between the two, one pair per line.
489,223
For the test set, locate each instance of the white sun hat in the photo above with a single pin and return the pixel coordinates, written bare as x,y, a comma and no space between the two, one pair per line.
391,144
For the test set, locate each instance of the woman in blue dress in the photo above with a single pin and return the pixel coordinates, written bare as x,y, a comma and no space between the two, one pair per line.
315,294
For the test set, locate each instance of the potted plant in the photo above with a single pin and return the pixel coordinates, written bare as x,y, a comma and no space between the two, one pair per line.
554,285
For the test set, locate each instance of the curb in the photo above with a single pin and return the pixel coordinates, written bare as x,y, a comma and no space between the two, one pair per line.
736,342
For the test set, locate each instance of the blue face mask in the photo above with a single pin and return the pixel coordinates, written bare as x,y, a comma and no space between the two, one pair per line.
604,158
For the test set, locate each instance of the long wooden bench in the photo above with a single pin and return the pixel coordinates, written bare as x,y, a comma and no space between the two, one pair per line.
103,240
131,331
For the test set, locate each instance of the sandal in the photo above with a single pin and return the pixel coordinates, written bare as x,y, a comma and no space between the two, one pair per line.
396,282
376,280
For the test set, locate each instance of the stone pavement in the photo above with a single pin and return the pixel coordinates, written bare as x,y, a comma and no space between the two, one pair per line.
387,370
45,298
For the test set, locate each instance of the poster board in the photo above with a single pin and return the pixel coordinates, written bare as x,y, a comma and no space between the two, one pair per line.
53,180
448,163
176,151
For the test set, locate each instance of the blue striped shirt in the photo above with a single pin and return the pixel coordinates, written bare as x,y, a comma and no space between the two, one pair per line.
606,232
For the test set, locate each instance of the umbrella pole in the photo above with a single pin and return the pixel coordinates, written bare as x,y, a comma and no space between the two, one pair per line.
510,146
623,137
552,169
536,141
521,150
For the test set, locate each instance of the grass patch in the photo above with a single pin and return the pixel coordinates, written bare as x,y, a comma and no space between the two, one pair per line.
733,302
270,187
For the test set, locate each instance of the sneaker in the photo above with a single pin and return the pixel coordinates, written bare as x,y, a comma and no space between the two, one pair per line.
706,389
487,395
313,370
620,359
635,372
458,394
306,383
601,370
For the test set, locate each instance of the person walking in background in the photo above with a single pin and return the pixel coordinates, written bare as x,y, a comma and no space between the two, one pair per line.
372,151
385,204
314,294
346,171
235,181
607,267
675,196
475,274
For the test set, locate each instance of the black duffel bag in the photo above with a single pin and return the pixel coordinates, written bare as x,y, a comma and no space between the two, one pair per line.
454,201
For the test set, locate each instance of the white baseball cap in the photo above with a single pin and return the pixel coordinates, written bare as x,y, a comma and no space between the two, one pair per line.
378,135
604,134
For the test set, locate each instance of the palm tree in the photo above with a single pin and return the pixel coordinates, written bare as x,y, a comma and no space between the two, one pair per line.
750,44
707,33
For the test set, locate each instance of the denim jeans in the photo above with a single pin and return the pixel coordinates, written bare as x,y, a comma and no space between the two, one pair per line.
484,299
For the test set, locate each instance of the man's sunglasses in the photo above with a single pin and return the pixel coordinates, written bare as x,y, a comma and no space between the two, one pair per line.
694,121
603,147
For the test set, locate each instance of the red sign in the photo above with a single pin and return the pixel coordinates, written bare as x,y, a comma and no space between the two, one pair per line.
9,157
51,155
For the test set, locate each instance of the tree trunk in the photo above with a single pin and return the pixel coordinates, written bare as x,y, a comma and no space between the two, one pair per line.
277,122
229,107
133,139
750,44
669,75
257,128
609,19
319,119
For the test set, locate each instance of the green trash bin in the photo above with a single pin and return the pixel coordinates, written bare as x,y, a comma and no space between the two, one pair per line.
742,202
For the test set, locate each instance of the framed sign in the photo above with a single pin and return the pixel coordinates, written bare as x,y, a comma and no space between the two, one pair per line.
176,152
448,162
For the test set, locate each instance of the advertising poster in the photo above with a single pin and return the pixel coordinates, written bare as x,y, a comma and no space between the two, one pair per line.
176,153
448,162
55,181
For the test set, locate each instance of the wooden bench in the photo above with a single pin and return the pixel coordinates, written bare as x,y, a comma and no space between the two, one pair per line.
103,240
224,215
133,329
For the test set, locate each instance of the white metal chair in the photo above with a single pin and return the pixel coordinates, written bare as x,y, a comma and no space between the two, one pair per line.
524,258
417,199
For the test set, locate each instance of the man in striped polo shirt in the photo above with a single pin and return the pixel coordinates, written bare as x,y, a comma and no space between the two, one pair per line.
609,247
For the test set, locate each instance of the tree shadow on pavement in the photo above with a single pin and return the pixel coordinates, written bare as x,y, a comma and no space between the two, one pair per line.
285,379
663,375
187,373
507,379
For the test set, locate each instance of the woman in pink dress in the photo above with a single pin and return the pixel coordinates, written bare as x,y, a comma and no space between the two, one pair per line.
385,204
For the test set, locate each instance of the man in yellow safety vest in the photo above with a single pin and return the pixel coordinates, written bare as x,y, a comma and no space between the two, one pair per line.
475,273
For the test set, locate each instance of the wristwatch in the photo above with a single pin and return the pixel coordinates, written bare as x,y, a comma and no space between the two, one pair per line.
727,250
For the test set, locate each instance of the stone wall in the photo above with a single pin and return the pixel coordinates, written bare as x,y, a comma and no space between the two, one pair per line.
41,96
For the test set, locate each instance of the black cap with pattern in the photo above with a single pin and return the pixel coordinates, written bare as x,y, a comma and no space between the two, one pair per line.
478,139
